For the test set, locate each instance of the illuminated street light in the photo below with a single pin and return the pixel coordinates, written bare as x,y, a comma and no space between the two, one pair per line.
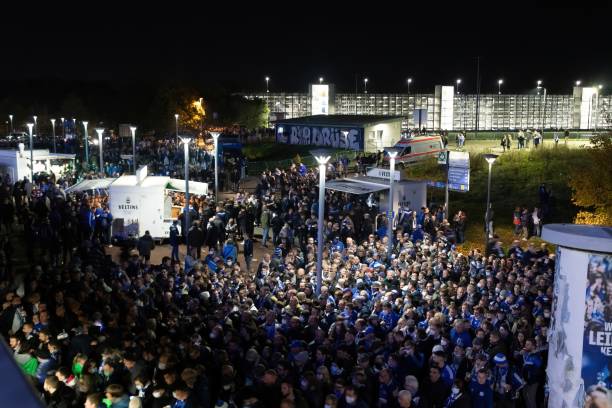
215,136
267,84
322,157
86,142
35,125
53,128
392,152
320,80
11,119
63,129
408,82
100,132
458,85
490,158
365,85
185,141
30,126
499,84
543,108
578,83
176,116
133,130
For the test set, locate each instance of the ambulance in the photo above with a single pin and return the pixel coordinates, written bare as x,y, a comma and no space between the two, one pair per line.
414,149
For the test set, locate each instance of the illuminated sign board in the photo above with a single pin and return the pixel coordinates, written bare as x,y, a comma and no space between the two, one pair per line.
320,99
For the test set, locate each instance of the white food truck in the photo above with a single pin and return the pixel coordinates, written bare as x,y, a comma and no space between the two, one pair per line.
16,163
142,203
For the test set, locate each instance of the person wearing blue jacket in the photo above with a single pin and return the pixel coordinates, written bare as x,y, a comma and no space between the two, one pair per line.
248,251
481,391
532,373
174,240
230,251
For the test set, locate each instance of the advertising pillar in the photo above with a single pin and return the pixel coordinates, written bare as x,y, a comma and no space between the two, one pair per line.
579,368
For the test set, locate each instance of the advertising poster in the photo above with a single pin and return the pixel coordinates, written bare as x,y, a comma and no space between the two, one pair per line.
597,345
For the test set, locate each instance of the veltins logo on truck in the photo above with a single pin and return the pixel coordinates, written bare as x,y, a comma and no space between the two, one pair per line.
128,205
329,136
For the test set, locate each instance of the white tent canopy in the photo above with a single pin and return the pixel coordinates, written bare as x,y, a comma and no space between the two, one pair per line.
89,185
353,187
195,187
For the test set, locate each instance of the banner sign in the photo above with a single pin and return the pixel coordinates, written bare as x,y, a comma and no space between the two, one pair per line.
597,342
326,136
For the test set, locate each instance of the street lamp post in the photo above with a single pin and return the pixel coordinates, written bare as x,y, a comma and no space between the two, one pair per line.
408,82
100,133
499,84
63,131
215,136
86,142
322,157
176,116
53,128
11,119
35,125
543,107
578,83
133,130
267,84
320,80
392,152
490,158
30,126
458,82
598,90
186,141
365,85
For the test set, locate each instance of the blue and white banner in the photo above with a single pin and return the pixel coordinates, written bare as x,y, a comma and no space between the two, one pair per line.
325,136
597,345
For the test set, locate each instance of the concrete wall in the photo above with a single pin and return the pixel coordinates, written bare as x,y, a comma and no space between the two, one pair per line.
391,133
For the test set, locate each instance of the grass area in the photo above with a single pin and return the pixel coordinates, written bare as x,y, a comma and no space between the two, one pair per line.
516,177
274,151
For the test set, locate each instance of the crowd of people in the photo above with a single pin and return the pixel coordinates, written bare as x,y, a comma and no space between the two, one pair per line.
423,325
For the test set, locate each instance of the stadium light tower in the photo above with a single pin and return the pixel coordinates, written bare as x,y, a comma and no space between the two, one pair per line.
322,157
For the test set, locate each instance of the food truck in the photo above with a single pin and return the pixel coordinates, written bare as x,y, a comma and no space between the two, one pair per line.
16,162
140,202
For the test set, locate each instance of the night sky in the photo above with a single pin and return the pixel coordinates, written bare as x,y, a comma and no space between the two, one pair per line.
558,46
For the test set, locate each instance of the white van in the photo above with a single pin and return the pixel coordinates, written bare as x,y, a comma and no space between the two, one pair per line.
412,150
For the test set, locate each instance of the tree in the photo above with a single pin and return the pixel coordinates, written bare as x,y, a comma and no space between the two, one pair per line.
171,100
592,184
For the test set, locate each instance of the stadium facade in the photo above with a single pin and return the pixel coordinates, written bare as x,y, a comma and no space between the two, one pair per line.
445,109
